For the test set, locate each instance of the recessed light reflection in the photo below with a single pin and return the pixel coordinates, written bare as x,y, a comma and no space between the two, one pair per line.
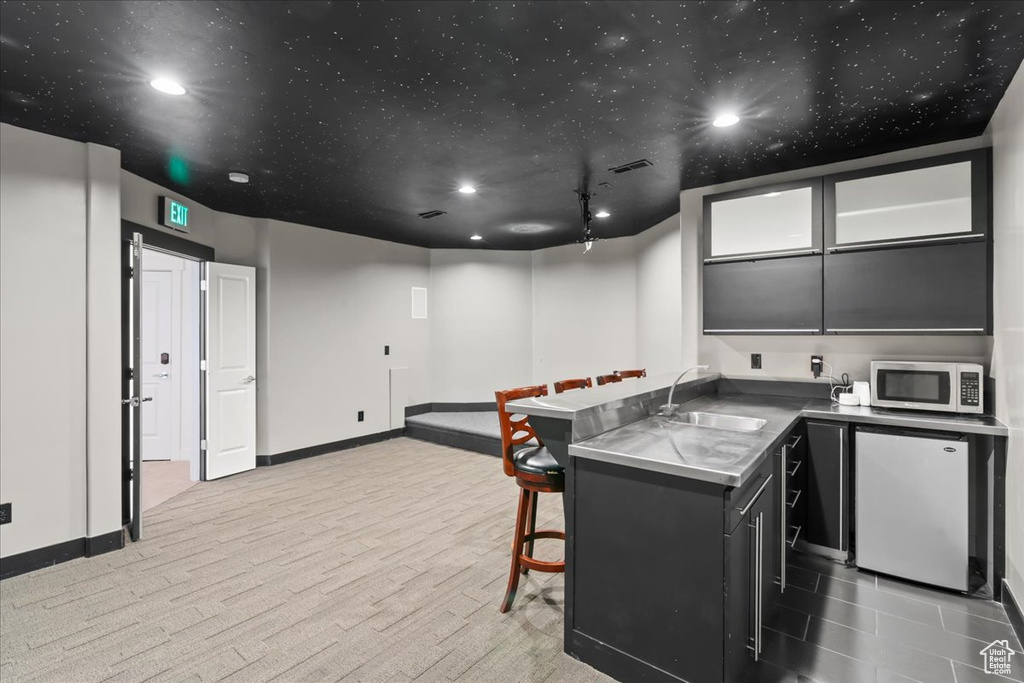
725,120
237,177
476,238
771,194
167,86
602,214
467,189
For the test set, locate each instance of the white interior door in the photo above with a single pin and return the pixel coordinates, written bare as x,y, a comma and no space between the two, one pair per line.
230,299
161,355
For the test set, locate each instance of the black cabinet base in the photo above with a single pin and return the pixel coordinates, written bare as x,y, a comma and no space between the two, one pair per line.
613,662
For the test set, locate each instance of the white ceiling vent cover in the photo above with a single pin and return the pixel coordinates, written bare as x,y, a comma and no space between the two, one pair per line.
419,303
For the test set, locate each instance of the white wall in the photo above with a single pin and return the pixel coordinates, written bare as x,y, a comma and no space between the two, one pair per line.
1007,130
659,299
335,300
59,201
788,358
481,323
584,310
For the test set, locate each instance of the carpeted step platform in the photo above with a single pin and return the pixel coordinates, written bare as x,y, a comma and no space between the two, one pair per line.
472,431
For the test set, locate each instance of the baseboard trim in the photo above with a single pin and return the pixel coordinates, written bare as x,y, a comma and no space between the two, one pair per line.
473,407
40,558
1013,612
324,448
104,543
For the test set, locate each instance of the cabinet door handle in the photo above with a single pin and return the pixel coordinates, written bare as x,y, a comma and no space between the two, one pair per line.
792,503
756,526
904,329
795,441
776,330
842,505
796,535
758,256
757,495
796,466
782,518
924,240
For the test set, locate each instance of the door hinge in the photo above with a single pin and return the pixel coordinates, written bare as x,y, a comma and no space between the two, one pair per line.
202,444
202,285
202,365
131,272
129,373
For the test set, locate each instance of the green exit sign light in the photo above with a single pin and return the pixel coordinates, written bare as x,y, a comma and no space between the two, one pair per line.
174,214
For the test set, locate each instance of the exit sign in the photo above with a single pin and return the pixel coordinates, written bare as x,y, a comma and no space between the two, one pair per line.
174,214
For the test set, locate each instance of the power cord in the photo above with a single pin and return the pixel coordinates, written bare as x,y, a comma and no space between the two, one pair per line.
843,378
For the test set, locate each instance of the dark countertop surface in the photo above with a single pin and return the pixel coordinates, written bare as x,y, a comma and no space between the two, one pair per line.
729,457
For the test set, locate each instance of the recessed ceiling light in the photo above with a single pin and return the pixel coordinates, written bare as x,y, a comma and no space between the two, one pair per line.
476,237
467,189
167,86
725,120
602,214
237,177
772,194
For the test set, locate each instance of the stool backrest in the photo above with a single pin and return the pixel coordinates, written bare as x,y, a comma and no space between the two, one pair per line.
567,384
515,431
608,379
626,374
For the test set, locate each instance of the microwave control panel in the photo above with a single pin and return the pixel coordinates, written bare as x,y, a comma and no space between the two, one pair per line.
970,389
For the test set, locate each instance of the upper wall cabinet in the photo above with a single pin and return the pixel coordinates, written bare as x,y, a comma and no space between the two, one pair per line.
774,220
927,201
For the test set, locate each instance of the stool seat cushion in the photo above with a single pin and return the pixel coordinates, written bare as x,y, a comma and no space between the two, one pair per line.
537,460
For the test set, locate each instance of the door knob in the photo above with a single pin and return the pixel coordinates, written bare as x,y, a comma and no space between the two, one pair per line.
249,379
164,375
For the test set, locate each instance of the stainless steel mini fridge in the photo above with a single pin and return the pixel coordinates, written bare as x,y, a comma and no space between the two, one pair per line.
912,505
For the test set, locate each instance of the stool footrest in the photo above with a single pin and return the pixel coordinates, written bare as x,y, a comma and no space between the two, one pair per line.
540,566
544,533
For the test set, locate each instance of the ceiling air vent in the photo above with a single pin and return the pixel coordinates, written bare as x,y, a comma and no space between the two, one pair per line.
631,166
431,214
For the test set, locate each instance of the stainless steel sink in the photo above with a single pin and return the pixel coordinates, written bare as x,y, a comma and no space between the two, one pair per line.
717,421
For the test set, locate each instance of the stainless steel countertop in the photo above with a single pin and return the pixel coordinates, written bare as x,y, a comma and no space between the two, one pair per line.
942,422
572,404
668,445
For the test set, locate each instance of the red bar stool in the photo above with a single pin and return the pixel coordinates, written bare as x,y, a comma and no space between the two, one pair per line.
626,374
567,384
536,471
608,379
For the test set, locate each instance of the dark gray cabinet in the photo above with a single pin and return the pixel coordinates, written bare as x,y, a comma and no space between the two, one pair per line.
907,250
827,518
681,587
933,289
751,556
771,296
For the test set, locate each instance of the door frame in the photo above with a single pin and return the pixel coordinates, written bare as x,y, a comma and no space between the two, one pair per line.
176,246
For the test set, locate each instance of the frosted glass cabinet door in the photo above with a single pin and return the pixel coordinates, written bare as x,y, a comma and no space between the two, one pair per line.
777,220
942,199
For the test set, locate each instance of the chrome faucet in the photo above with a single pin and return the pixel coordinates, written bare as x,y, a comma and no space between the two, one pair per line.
668,408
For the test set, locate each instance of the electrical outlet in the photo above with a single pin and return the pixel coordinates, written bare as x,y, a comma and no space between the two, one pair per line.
387,350
755,361
5,513
359,417
817,366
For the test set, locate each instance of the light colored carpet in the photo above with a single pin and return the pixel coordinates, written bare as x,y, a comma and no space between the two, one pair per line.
382,563
481,423
163,480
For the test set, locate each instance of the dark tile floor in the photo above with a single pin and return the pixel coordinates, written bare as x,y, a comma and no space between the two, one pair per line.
837,624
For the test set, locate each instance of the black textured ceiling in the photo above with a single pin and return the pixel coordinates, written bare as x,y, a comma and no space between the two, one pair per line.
359,116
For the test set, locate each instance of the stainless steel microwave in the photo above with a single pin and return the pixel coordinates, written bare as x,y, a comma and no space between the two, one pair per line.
946,387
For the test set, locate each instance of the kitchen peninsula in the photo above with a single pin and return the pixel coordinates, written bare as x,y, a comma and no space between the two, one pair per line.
678,525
